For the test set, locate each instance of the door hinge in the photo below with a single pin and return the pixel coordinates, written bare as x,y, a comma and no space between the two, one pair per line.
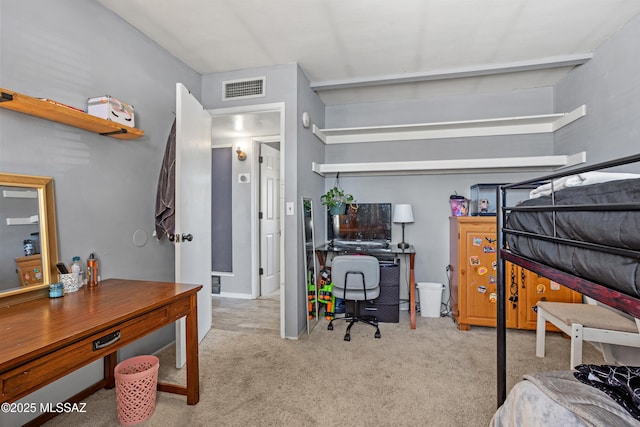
260,159
261,271
259,215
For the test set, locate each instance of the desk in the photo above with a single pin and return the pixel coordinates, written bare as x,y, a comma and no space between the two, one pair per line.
391,252
45,339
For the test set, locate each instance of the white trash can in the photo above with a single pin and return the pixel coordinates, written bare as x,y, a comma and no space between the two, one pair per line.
430,298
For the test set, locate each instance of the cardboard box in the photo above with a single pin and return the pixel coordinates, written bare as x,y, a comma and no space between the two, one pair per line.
110,108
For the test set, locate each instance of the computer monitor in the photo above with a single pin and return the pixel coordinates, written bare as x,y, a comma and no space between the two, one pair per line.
362,222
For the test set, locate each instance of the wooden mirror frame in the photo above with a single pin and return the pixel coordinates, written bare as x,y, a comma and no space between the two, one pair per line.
48,231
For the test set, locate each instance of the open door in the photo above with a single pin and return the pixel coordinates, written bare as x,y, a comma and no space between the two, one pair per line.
193,209
269,220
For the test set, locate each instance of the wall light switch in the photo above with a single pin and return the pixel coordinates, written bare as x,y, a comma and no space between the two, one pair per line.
289,208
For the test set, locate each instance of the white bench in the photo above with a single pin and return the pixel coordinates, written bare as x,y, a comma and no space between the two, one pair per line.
586,322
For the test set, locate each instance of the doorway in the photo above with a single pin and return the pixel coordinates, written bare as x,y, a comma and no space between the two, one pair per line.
269,215
256,245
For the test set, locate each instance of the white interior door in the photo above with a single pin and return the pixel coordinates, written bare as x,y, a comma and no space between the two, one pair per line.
270,221
193,209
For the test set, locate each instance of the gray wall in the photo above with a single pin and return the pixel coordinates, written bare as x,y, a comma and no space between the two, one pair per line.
309,184
287,84
429,194
608,84
237,281
70,50
281,86
105,188
13,236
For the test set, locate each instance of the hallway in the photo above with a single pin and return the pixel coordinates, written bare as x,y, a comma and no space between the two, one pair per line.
259,316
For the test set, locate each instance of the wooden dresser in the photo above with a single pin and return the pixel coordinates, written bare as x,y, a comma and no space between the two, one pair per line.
29,269
45,339
474,279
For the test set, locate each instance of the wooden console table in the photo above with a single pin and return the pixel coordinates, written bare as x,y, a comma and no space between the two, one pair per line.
45,339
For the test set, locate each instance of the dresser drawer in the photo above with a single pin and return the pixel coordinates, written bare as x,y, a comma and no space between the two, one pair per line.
389,274
179,309
20,381
385,313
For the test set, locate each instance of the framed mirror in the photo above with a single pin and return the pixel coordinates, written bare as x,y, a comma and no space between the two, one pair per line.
28,235
309,256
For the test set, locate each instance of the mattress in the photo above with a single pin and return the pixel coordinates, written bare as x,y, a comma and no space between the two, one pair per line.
559,399
613,228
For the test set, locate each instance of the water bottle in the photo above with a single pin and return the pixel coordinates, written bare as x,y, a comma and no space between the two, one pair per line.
77,270
92,271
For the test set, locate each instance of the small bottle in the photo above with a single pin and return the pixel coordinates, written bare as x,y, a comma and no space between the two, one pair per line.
77,270
92,271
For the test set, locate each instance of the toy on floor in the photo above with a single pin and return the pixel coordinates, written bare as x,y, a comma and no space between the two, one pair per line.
325,294
311,295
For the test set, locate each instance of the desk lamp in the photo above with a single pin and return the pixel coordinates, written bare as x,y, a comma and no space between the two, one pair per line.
402,214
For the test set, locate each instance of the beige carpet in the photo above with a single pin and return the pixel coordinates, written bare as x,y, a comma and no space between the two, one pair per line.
435,375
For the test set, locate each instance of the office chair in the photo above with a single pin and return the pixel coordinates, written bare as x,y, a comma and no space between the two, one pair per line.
356,278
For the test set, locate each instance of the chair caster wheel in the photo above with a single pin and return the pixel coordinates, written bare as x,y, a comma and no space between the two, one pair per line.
377,335
330,327
347,337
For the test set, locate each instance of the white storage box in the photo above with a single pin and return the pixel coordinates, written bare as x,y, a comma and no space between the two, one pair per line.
110,108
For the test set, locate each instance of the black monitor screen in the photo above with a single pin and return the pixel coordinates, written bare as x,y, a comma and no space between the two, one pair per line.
362,221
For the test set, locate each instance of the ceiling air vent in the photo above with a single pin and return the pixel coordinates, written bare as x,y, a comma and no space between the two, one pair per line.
243,88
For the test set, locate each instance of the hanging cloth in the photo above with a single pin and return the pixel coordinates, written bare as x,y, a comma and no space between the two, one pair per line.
166,193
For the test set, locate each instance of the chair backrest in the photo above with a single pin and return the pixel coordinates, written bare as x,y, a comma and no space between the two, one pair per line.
355,277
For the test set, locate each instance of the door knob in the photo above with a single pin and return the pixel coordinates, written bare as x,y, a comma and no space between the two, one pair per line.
187,237
172,237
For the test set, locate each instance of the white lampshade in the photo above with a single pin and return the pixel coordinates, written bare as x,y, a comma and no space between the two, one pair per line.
402,213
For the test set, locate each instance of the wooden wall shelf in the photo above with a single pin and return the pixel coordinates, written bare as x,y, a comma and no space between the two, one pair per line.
56,112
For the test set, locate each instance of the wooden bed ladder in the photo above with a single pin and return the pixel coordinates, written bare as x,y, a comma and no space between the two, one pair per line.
586,322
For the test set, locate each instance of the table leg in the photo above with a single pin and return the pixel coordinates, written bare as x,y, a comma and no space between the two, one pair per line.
110,362
193,369
412,290
322,258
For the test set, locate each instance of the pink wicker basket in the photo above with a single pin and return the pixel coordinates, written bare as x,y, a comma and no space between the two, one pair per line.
136,383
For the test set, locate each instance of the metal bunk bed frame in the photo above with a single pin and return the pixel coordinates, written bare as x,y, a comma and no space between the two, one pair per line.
623,302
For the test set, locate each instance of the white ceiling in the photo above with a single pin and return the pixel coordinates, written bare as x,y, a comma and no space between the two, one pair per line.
432,47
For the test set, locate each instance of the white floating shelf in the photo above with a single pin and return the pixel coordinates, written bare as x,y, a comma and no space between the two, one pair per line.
546,123
20,194
33,219
505,164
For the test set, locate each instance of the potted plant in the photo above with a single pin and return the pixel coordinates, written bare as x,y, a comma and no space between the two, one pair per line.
336,200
